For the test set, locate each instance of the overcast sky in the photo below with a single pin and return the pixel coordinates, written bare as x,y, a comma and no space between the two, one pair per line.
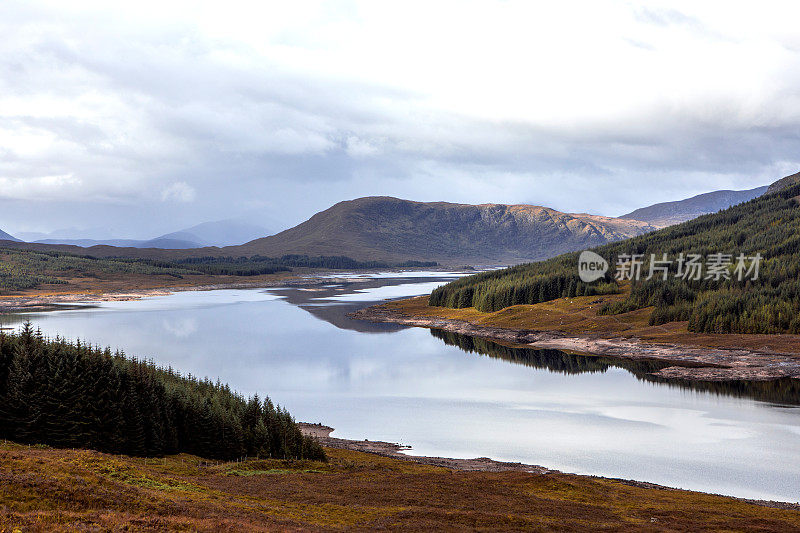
146,117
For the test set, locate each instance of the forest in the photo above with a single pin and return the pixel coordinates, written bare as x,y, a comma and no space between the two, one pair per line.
257,264
768,225
73,395
26,269
22,269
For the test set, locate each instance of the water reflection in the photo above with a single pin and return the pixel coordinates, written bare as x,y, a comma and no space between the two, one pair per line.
333,301
780,391
572,413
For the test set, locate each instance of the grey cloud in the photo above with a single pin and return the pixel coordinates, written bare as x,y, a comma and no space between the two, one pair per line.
269,138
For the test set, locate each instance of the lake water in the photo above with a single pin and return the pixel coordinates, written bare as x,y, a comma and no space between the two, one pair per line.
454,396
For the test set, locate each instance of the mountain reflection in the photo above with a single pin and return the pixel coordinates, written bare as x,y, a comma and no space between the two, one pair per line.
333,301
779,391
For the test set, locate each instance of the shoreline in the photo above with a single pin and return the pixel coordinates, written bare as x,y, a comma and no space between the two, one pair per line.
21,303
609,347
48,302
689,363
394,450
484,464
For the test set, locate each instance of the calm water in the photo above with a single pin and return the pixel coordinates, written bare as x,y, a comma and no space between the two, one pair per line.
455,396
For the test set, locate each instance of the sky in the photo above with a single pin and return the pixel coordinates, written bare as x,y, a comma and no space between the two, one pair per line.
133,119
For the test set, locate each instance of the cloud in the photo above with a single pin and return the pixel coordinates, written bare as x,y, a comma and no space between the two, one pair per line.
356,147
39,188
180,328
290,108
179,192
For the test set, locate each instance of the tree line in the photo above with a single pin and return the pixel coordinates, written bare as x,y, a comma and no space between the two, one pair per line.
769,225
22,269
783,390
257,264
70,394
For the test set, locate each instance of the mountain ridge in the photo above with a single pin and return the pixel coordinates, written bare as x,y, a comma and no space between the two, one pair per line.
391,228
7,237
665,214
386,228
395,230
782,183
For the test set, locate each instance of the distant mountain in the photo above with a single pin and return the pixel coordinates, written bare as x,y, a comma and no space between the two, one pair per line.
6,237
160,242
783,183
217,233
669,213
69,233
392,229
220,233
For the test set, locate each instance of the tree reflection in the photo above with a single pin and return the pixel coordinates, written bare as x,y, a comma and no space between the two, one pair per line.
779,391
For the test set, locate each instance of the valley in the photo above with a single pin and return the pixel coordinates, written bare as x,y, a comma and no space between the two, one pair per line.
399,266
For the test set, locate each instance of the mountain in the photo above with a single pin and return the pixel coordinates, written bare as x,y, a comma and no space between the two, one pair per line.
159,242
763,232
782,183
72,233
669,213
6,237
216,233
220,233
391,229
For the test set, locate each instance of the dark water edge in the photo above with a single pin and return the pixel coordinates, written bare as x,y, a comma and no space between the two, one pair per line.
783,391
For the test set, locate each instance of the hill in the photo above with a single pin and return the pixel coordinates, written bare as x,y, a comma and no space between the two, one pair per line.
669,213
782,183
159,242
768,225
6,237
392,229
219,233
77,490
207,234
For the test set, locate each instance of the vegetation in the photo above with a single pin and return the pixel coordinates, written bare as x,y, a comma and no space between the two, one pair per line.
768,225
22,269
783,391
42,489
73,395
257,265
391,229
25,269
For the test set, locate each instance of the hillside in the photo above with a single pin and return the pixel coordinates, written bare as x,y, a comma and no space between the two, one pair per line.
669,213
159,242
219,233
395,230
392,229
782,183
6,237
43,489
768,225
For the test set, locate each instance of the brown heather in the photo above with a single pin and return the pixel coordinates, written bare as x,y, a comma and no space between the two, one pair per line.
44,489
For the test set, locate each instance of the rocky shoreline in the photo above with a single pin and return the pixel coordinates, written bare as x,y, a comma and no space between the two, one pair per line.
689,363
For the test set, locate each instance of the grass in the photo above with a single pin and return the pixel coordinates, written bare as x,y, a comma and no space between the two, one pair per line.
578,316
44,489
